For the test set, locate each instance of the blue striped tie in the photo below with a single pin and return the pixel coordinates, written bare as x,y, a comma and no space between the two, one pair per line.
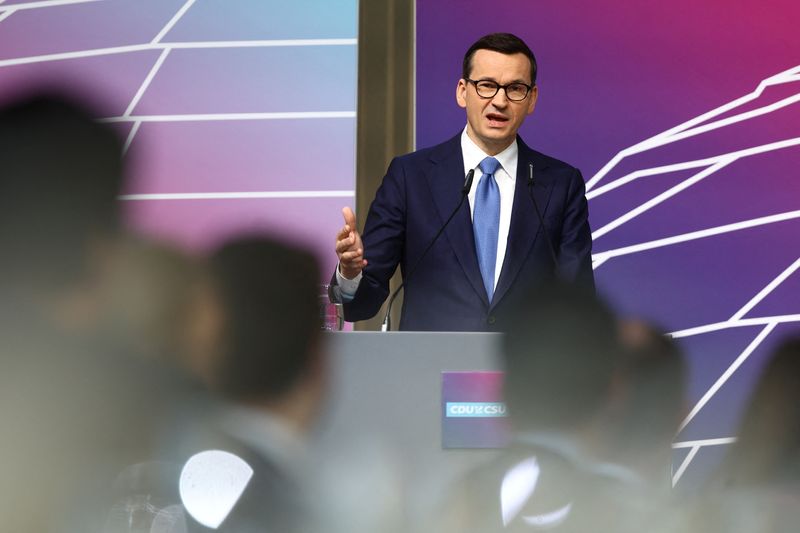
486,222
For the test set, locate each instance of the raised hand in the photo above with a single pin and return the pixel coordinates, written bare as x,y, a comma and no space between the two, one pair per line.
349,247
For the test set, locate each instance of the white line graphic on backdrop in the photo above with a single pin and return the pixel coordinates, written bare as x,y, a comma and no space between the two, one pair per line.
131,135
685,130
171,24
736,321
262,43
237,195
152,74
660,198
791,269
684,465
703,442
233,116
610,186
695,446
730,120
161,46
138,96
727,324
45,3
602,257
713,164
728,373
772,285
146,83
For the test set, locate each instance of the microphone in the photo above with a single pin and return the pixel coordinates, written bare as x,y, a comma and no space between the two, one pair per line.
541,220
386,326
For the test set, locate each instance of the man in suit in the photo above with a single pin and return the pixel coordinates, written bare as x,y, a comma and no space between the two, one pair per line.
490,249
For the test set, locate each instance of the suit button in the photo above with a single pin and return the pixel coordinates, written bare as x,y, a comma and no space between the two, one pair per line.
491,319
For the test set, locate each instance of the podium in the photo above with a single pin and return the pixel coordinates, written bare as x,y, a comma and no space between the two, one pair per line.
386,391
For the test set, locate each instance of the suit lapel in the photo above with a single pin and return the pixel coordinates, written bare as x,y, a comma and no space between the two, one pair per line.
525,227
445,181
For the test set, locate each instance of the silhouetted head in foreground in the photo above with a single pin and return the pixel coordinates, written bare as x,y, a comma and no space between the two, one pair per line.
653,403
561,354
269,342
61,174
74,410
255,339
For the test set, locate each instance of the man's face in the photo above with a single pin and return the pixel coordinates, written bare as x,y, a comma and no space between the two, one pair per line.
492,123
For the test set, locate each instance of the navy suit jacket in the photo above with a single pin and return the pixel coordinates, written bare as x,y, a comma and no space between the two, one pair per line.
446,293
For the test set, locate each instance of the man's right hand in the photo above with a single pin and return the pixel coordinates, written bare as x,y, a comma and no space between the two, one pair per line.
349,247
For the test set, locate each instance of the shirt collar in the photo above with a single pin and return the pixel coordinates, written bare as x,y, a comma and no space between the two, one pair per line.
473,155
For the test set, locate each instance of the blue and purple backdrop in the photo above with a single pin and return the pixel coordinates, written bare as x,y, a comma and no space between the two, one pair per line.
239,115
684,119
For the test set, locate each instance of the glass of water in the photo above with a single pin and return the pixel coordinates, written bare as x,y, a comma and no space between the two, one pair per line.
332,314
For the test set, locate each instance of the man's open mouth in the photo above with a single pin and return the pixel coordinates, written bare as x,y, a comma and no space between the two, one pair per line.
496,119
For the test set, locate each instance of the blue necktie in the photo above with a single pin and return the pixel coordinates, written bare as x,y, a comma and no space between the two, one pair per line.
486,222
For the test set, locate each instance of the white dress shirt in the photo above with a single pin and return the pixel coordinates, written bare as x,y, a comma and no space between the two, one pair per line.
505,176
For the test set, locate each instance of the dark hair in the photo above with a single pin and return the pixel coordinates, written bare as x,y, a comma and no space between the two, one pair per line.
561,353
62,172
654,371
270,301
505,43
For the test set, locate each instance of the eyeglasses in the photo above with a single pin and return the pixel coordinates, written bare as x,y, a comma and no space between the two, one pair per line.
516,92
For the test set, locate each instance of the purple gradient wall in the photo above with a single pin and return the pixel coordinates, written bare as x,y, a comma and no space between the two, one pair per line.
684,119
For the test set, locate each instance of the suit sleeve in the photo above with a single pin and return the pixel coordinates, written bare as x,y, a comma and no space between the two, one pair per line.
575,248
384,245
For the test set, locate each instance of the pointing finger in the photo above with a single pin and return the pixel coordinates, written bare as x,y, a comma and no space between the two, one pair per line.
349,217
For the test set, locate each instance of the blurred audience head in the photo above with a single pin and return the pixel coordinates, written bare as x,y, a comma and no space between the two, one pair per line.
268,346
147,292
62,171
653,402
561,357
75,412
768,447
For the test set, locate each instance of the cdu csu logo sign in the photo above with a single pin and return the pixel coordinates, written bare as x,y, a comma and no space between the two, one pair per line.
475,409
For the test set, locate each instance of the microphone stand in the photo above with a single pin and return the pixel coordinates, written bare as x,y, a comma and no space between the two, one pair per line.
387,323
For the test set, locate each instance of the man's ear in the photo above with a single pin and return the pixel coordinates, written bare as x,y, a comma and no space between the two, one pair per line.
534,96
461,93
